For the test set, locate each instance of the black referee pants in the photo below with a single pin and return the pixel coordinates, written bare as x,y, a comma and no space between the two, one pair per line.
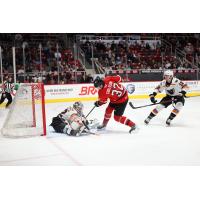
4,96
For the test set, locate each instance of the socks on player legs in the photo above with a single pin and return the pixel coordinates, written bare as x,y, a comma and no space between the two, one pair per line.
172,116
124,120
153,113
107,115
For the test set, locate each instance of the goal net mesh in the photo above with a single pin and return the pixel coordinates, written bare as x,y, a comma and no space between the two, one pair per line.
26,116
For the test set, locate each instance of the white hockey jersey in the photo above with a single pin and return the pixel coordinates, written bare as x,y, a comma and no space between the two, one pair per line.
172,89
71,117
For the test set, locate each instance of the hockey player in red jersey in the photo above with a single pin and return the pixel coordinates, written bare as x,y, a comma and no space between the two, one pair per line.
110,88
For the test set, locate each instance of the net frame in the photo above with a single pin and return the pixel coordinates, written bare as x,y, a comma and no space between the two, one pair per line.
27,128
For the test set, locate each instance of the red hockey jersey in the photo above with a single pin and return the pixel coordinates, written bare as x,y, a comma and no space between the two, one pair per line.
112,90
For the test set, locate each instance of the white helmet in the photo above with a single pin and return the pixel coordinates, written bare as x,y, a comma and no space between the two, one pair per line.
169,73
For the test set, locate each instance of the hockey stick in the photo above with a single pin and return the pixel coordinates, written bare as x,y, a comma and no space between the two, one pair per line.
192,96
85,123
90,112
132,106
88,129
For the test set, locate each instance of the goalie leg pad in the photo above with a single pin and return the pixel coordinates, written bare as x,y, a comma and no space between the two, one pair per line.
76,125
93,124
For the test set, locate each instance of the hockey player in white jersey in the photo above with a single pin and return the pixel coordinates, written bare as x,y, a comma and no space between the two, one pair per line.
175,92
72,121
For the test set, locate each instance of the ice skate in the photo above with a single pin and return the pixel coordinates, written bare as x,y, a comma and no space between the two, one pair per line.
168,122
147,120
133,129
101,127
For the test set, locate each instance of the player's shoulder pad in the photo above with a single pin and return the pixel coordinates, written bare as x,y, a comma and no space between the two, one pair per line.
175,80
107,78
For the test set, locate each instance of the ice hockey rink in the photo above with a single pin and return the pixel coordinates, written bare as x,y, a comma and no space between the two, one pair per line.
154,144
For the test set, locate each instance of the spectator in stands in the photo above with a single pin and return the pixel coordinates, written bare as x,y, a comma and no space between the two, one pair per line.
89,78
168,65
62,82
148,46
82,79
189,49
35,79
20,71
68,76
18,40
57,56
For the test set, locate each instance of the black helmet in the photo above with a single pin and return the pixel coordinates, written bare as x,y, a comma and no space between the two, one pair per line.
98,82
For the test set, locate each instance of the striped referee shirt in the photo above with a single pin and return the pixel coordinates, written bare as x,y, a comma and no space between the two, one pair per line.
7,87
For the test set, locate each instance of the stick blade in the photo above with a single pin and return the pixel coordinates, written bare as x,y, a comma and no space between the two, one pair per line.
132,106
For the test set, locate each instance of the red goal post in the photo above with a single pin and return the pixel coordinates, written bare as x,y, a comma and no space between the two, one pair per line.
26,116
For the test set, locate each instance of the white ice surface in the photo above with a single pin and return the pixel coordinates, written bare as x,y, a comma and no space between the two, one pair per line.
154,144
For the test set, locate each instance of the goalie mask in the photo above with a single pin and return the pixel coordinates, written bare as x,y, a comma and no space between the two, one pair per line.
78,106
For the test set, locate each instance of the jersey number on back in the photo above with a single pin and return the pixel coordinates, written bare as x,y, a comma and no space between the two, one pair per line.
118,90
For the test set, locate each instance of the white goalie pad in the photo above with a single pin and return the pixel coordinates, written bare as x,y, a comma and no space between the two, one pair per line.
93,124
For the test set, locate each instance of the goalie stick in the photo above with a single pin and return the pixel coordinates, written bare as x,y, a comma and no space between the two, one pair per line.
88,130
86,126
84,122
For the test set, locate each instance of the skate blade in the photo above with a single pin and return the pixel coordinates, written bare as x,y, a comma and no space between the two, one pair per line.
135,131
102,129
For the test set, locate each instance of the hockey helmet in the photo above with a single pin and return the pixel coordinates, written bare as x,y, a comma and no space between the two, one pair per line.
98,82
78,106
168,75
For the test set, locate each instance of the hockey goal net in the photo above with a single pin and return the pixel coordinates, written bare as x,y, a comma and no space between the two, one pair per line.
26,116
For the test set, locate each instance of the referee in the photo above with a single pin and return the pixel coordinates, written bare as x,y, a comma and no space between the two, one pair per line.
7,89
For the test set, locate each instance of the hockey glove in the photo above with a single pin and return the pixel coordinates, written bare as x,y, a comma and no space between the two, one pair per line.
183,93
174,100
96,103
3,94
152,97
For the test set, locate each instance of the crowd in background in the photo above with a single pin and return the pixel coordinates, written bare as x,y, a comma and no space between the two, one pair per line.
40,61
50,61
189,44
135,55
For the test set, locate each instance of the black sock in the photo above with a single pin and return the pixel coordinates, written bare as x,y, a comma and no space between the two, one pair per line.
172,115
151,115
